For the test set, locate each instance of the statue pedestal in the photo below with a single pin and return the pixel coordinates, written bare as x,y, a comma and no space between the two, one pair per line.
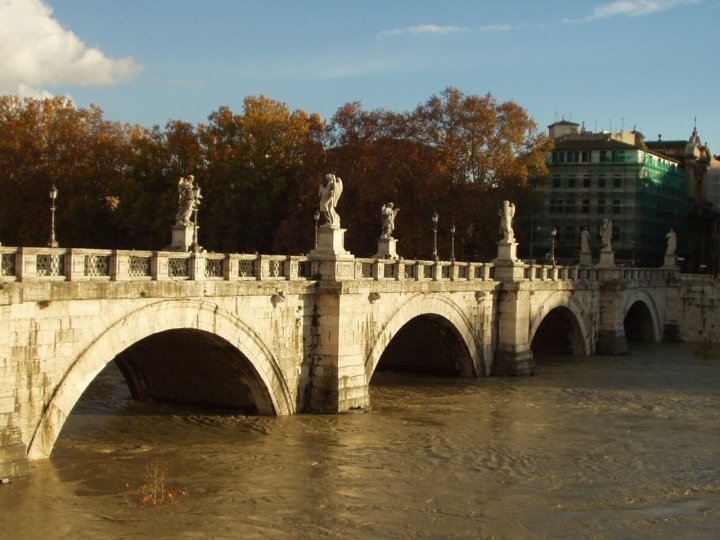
670,262
386,249
330,260
331,243
507,252
607,259
182,237
586,258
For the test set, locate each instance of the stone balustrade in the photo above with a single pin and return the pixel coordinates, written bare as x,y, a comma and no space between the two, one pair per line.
56,264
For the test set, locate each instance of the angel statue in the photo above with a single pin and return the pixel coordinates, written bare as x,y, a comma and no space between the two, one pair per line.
388,220
606,234
329,197
186,201
506,215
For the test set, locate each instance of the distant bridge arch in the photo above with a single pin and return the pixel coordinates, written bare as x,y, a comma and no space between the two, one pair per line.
574,312
272,393
635,319
447,317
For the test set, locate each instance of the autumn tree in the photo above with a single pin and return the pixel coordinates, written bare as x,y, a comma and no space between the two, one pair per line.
51,142
457,154
257,164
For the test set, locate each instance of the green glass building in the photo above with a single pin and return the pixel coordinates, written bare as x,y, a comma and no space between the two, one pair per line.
614,176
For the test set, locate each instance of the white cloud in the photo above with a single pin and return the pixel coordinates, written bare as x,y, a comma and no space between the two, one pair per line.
496,28
36,51
423,29
634,8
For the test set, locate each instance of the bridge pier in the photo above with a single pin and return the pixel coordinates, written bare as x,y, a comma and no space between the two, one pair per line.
611,339
513,356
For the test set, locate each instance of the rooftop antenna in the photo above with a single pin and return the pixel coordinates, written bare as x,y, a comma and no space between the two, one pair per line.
596,125
570,116
622,123
610,125
556,116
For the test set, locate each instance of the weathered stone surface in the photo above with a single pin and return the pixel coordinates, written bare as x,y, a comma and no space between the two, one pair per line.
261,340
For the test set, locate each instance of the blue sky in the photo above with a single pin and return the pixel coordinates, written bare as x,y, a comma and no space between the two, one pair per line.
650,64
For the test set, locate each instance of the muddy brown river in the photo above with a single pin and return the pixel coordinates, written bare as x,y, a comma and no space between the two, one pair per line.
600,447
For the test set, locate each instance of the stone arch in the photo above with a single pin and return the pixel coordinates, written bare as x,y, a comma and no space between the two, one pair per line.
632,297
582,339
437,306
152,319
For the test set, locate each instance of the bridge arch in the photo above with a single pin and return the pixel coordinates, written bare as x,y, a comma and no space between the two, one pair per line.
150,320
571,310
442,312
640,316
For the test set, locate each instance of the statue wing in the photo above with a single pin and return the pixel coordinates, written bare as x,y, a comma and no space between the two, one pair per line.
395,212
337,191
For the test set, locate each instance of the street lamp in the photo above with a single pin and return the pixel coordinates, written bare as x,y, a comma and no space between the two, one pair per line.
552,245
196,248
53,195
316,217
452,243
633,252
435,220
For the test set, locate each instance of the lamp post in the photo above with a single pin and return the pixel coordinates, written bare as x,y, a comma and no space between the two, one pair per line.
452,243
316,217
53,195
552,245
435,220
196,248
633,252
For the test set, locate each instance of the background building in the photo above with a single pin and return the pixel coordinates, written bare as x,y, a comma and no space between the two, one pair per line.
694,158
597,176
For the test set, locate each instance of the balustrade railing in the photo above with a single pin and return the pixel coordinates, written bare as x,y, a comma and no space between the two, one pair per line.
57,264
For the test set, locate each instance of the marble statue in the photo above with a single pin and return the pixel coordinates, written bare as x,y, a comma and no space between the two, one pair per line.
606,234
388,220
671,242
329,197
585,240
506,215
186,201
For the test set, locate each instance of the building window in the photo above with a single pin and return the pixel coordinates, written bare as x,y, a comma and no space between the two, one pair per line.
556,181
573,157
601,181
586,181
571,181
601,206
616,233
561,157
603,156
618,156
570,233
570,206
556,206
616,206
617,181
585,206
585,157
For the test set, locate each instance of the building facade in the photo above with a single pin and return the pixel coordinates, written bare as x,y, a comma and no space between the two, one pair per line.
615,176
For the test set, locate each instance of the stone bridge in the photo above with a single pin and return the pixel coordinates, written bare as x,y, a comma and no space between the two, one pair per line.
280,335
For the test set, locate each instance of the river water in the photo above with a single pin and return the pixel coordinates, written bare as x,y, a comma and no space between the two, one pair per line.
600,447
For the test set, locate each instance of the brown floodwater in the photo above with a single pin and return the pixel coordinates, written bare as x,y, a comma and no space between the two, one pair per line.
599,447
